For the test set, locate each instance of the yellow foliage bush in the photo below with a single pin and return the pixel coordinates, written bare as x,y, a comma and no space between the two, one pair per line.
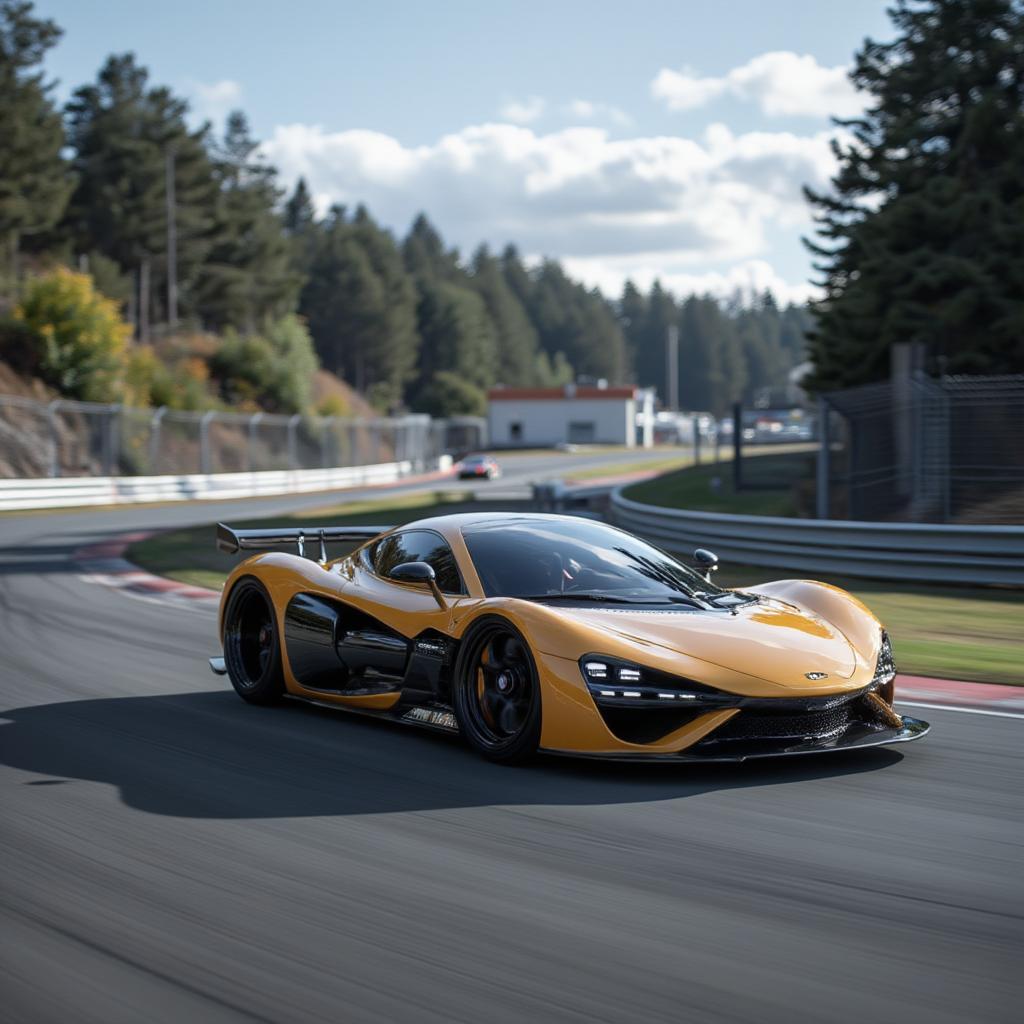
80,335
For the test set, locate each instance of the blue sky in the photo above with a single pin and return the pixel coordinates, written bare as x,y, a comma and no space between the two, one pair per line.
636,139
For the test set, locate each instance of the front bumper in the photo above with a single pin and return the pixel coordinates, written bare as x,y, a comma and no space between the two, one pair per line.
855,737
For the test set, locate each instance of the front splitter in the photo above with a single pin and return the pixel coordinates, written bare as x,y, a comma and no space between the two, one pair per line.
854,738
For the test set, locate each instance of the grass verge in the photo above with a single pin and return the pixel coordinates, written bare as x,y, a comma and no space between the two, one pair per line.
709,487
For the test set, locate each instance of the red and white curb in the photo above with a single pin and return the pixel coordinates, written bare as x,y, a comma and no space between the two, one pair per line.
953,695
105,564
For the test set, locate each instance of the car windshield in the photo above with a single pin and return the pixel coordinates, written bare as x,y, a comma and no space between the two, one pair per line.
565,559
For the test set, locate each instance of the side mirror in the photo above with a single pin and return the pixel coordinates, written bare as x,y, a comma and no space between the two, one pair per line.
418,572
707,560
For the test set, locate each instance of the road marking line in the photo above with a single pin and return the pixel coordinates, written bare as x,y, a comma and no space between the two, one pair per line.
965,711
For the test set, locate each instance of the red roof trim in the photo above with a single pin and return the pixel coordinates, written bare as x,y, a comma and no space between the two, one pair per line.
557,394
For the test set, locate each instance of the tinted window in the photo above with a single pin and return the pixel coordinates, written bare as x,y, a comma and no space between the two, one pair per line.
419,546
536,557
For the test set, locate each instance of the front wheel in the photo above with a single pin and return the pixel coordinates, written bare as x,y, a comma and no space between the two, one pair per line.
496,695
252,648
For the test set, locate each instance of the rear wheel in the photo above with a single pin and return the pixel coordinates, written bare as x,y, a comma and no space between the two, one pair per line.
497,692
252,648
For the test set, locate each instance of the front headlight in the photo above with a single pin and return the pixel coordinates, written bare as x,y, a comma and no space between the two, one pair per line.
621,682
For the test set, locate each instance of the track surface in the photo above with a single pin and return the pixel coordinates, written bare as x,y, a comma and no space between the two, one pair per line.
170,853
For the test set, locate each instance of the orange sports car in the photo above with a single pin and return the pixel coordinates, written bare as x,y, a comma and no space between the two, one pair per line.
528,632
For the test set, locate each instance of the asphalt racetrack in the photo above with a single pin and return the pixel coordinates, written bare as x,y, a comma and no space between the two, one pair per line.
172,854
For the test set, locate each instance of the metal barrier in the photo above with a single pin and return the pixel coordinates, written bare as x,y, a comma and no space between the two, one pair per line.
913,552
72,492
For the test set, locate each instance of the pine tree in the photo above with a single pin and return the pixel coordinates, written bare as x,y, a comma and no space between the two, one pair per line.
34,179
759,332
301,225
922,235
425,256
712,371
660,314
248,277
579,323
122,132
361,307
632,314
517,344
457,337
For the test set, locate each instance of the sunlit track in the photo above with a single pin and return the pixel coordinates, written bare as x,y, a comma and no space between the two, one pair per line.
181,855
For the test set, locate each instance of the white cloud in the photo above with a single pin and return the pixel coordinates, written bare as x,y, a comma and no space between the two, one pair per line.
670,204
587,110
523,111
683,90
782,83
213,101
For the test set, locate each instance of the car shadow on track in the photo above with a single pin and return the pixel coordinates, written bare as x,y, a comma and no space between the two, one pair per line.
208,755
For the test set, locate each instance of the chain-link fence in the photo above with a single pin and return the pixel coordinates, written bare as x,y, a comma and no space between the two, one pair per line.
925,450
66,438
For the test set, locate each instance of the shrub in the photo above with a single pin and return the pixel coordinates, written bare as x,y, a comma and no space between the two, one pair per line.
271,371
79,335
333,405
449,395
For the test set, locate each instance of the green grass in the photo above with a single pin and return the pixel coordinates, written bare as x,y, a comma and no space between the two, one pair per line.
669,462
947,632
708,488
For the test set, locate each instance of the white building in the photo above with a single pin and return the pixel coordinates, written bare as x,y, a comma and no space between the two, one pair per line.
575,414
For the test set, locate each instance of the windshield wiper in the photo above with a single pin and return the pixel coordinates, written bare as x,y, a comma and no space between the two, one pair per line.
693,600
580,596
612,599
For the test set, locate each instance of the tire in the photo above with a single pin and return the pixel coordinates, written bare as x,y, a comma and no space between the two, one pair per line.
496,693
252,646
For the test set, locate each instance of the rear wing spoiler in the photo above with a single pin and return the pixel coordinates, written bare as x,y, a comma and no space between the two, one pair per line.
231,540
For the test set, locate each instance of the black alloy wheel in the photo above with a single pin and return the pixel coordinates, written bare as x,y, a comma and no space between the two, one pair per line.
497,693
252,650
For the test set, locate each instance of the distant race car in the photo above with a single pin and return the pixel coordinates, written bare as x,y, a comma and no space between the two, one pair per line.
529,632
473,467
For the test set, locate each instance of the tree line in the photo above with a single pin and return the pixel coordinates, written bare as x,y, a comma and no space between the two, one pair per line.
921,237
190,230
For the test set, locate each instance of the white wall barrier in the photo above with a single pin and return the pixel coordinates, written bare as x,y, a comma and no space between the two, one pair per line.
71,492
913,552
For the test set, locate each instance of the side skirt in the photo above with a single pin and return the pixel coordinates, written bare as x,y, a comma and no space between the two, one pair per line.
436,719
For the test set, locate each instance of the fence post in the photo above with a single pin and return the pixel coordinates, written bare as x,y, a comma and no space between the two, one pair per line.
111,417
325,423
154,439
51,417
696,439
293,450
824,455
254,422
204,441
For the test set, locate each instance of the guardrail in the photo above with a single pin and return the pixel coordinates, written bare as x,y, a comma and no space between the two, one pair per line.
914,552
71,492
